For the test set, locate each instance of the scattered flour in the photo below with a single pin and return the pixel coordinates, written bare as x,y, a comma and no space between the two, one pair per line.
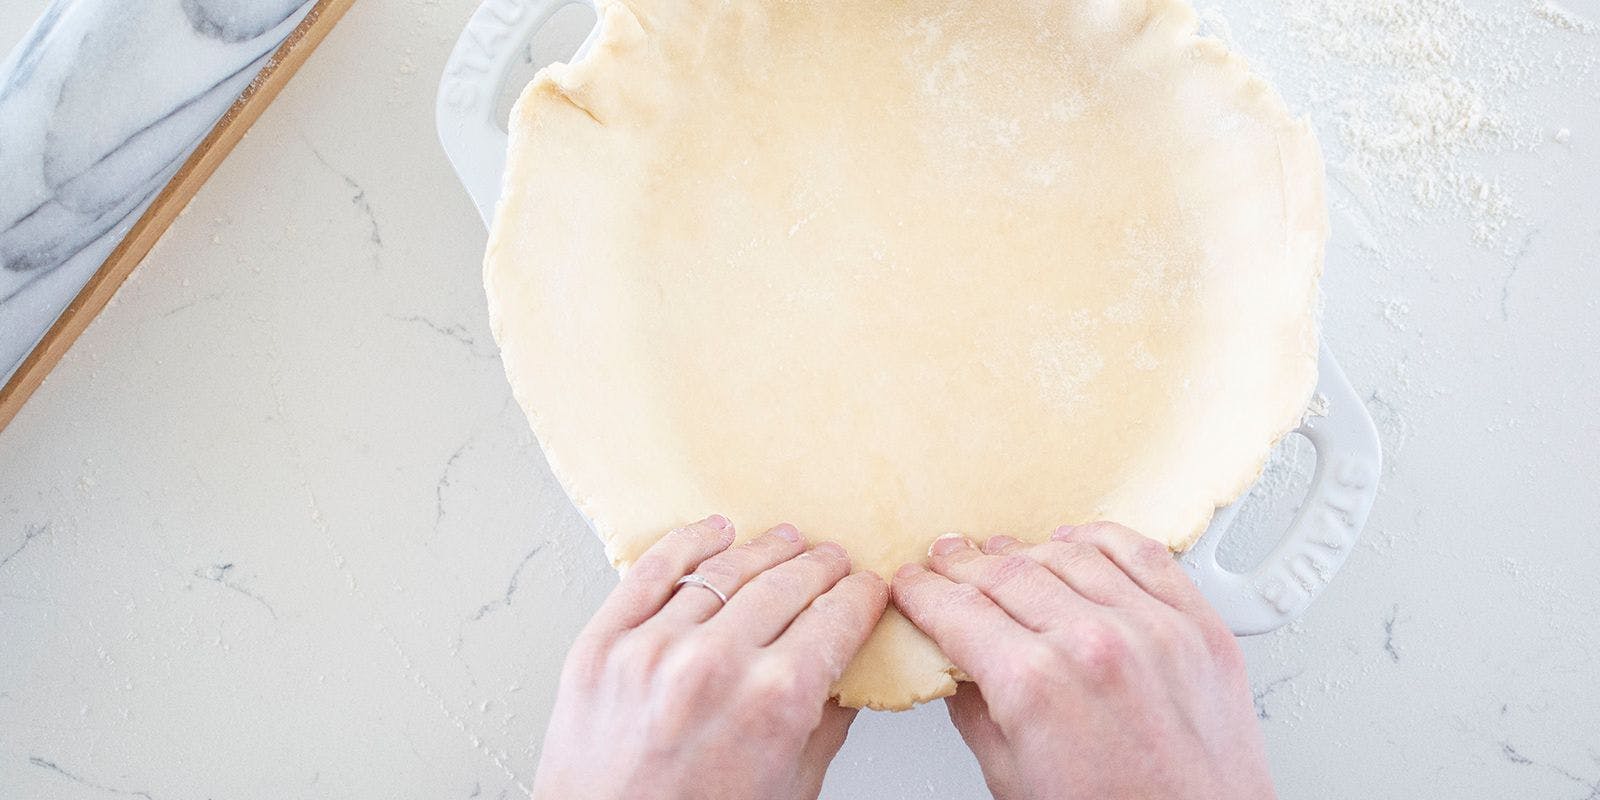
1559,16
1395,311
1428,112
1408,95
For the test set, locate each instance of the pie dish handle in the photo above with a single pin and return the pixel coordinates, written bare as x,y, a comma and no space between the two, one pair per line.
1279,589
473,137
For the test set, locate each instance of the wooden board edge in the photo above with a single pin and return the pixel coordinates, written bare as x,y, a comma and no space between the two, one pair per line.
169,202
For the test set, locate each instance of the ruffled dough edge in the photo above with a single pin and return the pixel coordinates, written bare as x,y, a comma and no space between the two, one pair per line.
1301,163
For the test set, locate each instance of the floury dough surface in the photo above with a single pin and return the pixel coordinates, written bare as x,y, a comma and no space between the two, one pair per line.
907,269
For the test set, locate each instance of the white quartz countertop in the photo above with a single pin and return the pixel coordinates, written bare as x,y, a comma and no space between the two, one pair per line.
276,528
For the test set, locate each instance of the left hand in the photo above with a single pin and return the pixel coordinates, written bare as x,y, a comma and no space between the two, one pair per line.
670,694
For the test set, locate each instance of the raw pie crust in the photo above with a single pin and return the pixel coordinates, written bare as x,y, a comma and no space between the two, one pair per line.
887,270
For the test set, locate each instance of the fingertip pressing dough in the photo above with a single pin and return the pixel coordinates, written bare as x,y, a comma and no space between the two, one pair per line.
890,270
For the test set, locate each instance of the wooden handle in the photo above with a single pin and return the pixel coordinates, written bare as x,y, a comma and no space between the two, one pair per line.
168,203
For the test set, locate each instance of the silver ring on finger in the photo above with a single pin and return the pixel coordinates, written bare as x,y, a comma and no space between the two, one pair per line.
697,580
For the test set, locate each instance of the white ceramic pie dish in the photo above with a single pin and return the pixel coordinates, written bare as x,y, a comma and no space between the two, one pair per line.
1269,595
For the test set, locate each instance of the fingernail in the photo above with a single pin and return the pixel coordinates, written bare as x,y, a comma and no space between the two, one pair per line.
786,532
717,522
998,543
908,571
948,543
1063,532
831,549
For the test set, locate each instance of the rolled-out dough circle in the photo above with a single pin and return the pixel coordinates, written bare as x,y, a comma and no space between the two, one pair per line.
890,270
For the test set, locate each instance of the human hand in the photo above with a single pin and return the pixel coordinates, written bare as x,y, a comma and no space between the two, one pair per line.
674,695
1100,671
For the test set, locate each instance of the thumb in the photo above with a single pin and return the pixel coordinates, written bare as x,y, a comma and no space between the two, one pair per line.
829,736
823,745
970,714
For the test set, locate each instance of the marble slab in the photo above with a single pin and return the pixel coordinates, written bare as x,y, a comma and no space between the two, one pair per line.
99,105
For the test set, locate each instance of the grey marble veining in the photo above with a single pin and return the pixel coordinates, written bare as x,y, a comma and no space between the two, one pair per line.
99,105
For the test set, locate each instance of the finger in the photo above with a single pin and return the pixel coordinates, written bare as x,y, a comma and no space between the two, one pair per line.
969,712
1029,592
646,585
830,631
728,571
965,623
1087,570
770,601
1148,562
1000,545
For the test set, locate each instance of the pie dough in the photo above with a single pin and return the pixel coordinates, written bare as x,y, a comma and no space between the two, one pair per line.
888,270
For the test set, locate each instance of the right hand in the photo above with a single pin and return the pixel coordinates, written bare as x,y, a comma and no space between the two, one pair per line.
1099,670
